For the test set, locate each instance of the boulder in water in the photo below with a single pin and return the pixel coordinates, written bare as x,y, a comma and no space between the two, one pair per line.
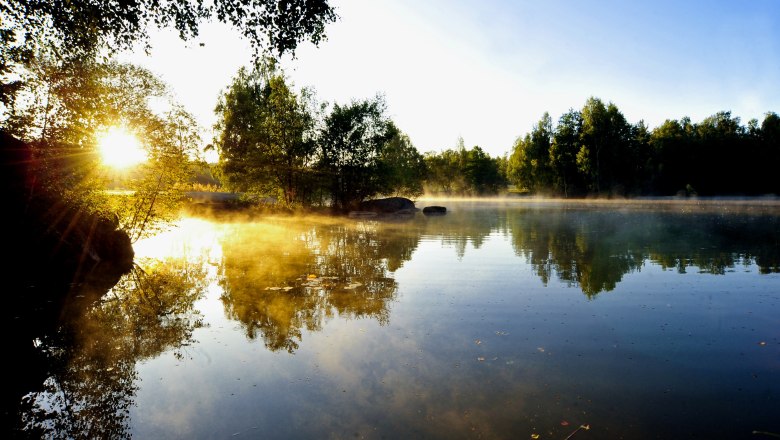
434,210
388,205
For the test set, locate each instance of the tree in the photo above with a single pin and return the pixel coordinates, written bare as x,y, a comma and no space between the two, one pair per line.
265,134
350,151
159,184
85,29
529,164
403,166
84,26
605,136
482,172
563,154
67,104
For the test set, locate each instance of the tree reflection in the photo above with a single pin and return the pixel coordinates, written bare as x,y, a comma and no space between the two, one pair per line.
284,276
91,356
593,249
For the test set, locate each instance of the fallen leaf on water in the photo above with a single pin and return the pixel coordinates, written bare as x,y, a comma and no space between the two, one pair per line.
311,275
762,343
480,359
477,341
541,349
534,436
585,427
564,423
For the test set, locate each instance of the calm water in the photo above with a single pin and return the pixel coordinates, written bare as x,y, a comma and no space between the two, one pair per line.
493,321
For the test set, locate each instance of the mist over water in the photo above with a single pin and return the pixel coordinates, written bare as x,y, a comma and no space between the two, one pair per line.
500,319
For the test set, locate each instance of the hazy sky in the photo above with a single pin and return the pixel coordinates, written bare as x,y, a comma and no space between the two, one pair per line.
487,70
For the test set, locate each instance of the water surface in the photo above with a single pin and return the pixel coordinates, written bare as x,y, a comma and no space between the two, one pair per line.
497,320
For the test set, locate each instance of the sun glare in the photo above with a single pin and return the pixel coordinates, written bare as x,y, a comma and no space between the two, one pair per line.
119,148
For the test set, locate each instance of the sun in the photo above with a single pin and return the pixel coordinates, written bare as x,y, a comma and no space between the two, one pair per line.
119,148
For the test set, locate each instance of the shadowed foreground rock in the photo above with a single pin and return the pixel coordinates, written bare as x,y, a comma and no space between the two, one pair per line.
46,237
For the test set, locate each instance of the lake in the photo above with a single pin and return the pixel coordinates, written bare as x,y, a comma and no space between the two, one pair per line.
508,320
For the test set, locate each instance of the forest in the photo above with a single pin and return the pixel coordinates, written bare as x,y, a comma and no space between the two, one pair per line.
595,151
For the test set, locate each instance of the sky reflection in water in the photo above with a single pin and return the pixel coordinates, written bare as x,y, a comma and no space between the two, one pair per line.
496,320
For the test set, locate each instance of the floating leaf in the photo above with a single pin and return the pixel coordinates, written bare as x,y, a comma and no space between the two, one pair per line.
312,276
564,423
534,435
762,343
477,341
541,349
480,359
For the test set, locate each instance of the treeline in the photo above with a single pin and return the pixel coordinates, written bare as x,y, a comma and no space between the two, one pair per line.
462,172
276,142
595,151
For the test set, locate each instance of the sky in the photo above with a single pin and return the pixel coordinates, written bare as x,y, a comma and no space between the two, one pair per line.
487,70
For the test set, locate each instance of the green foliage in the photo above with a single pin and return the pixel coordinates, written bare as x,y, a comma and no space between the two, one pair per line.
85,26
350,151
81,31
596,151
265,135
465,172
66,106
403,166
530,163
563,154
272,142
158,189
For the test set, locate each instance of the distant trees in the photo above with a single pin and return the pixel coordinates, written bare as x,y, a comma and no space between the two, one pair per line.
716,156
596,151
462,172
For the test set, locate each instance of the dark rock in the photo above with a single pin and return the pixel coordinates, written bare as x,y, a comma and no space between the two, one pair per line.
434,210
389,205
69,241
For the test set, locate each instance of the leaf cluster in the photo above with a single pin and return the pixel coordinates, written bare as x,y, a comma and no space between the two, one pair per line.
84,27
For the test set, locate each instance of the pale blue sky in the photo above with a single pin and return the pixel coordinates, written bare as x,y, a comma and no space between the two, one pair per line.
487,70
